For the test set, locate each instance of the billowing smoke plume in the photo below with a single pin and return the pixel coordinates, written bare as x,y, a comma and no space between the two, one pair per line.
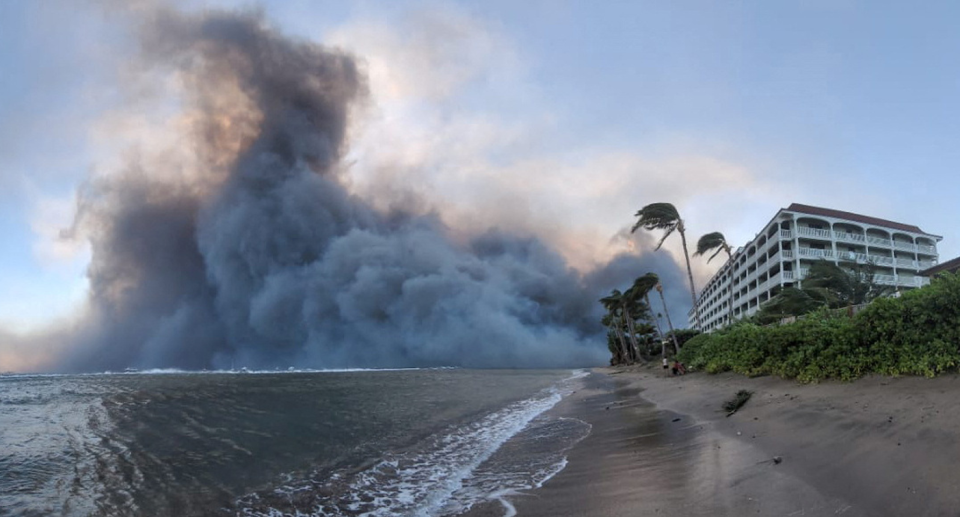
260,257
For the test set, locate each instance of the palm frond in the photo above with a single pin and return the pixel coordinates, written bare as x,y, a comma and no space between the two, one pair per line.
644,284
710,241
664,238
714,255
657,216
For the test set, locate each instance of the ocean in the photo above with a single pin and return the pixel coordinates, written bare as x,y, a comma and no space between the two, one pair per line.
420,442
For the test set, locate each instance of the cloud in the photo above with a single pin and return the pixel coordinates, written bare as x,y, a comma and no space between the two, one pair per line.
268,201
476,161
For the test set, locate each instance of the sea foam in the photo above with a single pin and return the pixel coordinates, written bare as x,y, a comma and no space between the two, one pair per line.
446,474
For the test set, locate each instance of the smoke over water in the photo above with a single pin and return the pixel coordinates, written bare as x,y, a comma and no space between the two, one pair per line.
257,255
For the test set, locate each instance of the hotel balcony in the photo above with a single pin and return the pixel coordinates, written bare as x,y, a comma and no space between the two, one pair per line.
861,258
814,232
850,237
815,253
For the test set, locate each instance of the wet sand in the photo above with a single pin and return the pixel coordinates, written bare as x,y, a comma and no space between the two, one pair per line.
661,446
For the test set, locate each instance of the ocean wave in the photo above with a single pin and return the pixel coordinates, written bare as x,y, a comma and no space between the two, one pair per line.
240,371
448,473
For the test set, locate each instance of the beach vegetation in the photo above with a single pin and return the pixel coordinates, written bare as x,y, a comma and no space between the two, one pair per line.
915,334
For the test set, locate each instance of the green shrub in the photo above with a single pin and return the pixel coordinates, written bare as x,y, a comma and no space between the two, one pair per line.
916,334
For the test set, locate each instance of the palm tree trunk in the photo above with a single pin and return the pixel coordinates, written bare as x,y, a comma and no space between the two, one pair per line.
620,358
635,355
673,334
663,350
617,351
693,290
624,347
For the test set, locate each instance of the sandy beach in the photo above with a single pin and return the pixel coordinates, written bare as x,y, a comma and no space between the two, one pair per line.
662,446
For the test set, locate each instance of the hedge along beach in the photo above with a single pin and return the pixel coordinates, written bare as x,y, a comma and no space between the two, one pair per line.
662,446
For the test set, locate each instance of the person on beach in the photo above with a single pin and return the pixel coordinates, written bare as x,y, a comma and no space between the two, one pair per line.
665,363
678,368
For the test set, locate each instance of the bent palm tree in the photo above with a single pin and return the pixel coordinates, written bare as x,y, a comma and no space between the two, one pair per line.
613,304
664,216
716,241
673,334
628,304
643,285
614,339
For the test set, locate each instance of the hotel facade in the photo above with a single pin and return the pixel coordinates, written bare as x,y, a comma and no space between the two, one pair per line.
798,236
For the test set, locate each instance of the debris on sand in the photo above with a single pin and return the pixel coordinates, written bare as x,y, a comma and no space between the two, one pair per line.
733,405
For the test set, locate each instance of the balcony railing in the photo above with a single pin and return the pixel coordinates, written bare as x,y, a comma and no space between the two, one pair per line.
786,234
787,275
908,246
885,279
786,254
881,260
916,281
879,241
814,252
849,237
923,248
906,262
814,232
924,264
852,255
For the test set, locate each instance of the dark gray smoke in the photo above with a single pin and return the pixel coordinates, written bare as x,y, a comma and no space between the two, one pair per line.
261,257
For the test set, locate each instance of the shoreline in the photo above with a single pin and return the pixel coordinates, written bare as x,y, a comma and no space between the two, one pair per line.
662,446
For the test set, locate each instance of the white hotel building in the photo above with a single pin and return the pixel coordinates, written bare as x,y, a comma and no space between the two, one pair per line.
799,235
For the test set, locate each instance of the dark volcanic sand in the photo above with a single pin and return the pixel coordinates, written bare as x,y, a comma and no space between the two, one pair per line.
640,460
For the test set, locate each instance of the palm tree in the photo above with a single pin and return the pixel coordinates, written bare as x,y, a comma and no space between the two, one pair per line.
826,285
659,287
664,216
614,304
629,306
839,286
716,241
643,285
614,339
660,335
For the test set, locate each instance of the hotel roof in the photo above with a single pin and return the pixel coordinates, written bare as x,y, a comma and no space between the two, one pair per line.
950,266
839,214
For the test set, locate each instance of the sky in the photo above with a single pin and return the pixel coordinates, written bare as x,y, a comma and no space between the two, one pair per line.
559,119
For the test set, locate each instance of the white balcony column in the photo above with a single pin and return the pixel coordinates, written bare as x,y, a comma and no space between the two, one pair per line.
833,243
796,252
780,258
